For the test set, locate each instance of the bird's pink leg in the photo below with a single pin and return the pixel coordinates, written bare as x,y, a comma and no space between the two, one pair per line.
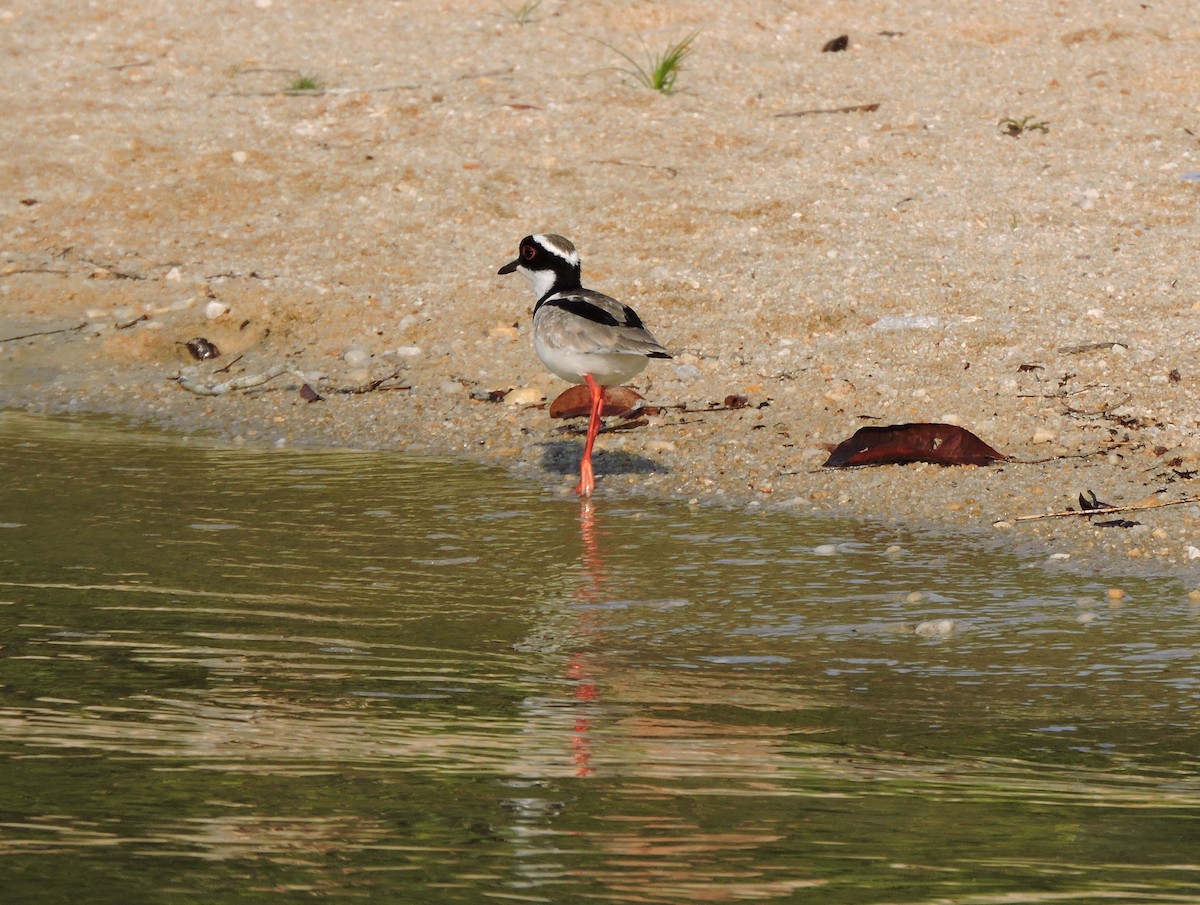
587,481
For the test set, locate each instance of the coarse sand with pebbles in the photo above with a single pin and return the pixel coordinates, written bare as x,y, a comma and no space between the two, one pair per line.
980,213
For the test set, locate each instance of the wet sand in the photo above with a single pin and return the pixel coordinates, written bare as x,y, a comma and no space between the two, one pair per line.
838,268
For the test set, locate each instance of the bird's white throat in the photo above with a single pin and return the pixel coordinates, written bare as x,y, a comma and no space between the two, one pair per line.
542,281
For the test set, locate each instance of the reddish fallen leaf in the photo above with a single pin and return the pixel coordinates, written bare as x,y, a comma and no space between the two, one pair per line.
577,402
308,394
734,401
941,444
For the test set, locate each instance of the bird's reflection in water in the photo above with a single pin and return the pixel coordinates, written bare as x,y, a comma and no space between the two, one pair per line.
581,671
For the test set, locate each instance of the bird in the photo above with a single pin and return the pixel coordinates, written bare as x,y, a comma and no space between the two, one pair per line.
581,335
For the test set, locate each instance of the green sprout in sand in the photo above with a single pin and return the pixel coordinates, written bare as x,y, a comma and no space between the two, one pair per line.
1018,127
306,83
659,71
523,12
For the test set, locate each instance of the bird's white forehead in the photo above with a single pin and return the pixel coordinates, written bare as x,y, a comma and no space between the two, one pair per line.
559,245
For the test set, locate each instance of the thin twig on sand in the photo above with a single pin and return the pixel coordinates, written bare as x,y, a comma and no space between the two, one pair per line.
1106,510
853,108
371,386
316,92
13,339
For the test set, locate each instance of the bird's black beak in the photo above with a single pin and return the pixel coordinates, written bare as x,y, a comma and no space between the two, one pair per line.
510,266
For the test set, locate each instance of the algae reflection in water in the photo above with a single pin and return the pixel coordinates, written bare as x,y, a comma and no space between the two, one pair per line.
237,675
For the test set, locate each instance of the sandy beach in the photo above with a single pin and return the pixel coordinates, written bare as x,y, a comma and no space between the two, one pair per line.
980,213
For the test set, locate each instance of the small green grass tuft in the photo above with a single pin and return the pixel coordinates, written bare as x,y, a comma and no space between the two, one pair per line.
1018,127
659,71
523,12
306,83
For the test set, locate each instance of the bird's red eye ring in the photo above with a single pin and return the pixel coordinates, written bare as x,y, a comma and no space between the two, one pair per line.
528,252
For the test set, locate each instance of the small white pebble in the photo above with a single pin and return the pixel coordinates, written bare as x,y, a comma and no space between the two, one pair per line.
239,157
1043,435
173,275
356,356
914,597
825,549
1085,618
687,372
524,396
215,309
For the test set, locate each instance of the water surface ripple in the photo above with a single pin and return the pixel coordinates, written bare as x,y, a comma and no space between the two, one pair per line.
245,675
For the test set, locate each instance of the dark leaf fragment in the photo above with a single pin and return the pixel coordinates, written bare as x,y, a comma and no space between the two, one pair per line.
491,395
836,45
1089,503
202,349
308,394
734,401
940,444
1086,504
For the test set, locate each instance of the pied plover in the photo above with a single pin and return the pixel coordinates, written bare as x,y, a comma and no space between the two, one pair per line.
581,335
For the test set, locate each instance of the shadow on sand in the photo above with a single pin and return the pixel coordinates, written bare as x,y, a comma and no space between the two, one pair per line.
562,457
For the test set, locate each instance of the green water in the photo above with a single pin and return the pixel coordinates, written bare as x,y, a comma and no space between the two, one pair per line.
260,676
